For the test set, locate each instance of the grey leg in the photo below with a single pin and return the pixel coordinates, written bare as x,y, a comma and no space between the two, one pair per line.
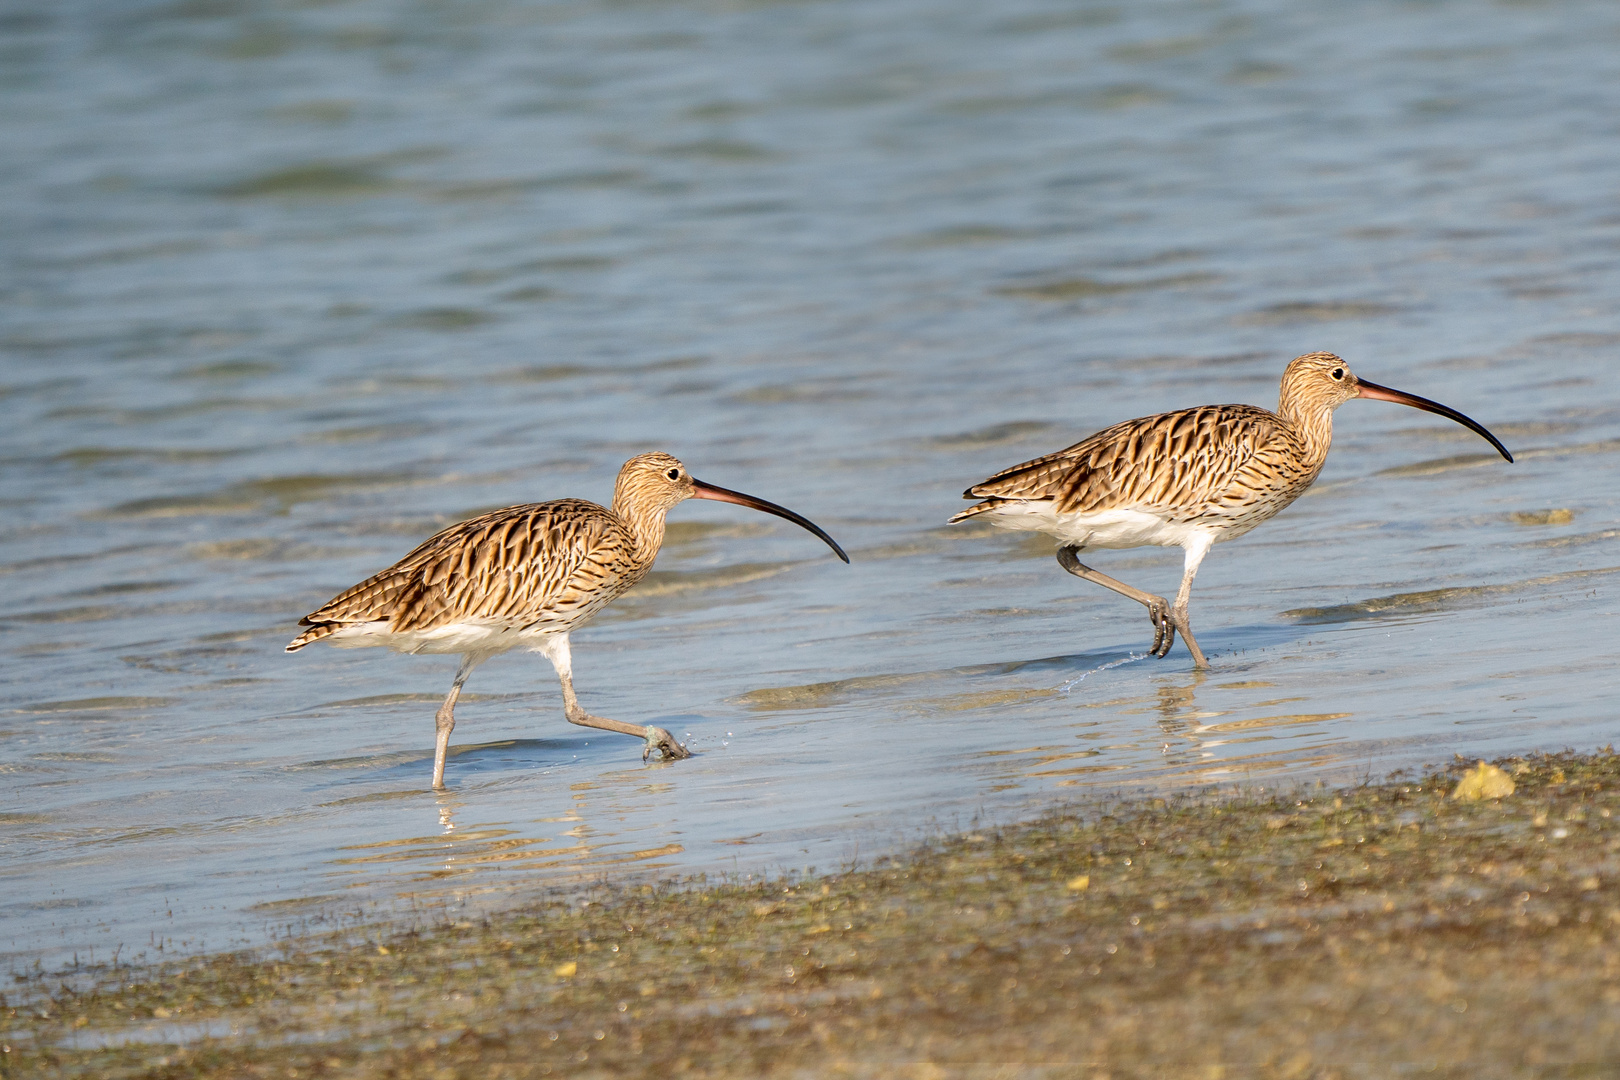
1166,620
555,648
445,721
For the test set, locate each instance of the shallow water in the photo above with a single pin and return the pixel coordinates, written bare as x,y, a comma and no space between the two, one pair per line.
287,287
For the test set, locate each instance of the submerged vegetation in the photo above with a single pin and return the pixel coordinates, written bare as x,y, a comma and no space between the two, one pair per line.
1305,933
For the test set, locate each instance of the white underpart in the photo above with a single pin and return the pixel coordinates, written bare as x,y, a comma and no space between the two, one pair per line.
554,647
1102,529
467,638
1109,529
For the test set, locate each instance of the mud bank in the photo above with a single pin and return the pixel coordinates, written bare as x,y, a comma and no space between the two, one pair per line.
1303,933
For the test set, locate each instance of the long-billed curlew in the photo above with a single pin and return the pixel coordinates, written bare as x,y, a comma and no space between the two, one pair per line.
1186,479
524,577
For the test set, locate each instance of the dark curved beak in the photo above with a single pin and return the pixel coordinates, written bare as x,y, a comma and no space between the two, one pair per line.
700,490
1384,393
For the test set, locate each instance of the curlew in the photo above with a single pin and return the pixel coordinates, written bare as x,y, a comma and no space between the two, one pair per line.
1188,479
524,577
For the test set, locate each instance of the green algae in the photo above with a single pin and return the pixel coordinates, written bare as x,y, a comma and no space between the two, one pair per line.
1311,932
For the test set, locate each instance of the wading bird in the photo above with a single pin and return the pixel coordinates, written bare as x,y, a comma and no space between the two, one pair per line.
1188,479
524,577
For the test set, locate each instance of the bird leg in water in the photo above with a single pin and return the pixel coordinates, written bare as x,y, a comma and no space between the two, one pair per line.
554,647
1196,550
445,720
1166,619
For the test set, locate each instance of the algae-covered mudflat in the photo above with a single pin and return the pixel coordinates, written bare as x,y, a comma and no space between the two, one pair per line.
1300,932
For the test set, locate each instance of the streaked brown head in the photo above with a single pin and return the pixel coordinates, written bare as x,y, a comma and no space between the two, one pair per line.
1315,384
652,483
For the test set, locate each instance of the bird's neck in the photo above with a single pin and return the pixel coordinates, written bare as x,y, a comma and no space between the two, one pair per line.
645,522
1312,422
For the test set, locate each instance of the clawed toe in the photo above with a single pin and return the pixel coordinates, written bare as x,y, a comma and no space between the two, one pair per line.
662,741
1164,630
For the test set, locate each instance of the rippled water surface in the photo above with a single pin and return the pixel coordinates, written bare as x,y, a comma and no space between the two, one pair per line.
288,286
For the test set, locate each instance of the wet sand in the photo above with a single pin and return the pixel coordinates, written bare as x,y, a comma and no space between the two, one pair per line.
1293,932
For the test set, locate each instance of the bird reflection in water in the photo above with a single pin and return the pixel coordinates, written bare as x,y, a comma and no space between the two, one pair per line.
447,826
1180,720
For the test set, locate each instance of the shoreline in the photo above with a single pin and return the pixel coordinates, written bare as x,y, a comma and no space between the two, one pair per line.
1308,931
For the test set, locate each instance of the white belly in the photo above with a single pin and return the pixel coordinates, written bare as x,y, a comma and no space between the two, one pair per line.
486,639
1103,529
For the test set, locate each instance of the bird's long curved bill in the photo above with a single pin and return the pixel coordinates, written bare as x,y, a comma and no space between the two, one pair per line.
1384,393
700,490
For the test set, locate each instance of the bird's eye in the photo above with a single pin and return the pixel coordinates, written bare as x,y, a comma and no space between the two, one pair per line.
674,474
1338,373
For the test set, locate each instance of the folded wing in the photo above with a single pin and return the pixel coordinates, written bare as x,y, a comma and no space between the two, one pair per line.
1185,464
517,567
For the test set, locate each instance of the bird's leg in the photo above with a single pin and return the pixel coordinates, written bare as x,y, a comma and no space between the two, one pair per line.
555,648
1196,550
445,720
1164,630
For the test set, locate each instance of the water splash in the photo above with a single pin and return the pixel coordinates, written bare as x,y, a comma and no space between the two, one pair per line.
1083,676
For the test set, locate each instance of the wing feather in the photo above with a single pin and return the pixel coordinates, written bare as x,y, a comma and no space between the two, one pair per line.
518,566
1184,464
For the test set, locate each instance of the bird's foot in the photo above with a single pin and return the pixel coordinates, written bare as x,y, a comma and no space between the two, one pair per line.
1164,627
662,741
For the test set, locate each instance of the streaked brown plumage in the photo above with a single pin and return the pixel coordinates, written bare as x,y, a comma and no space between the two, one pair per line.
1189,479
523,577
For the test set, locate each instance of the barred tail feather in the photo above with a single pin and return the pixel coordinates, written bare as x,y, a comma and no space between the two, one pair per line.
987,505
314,633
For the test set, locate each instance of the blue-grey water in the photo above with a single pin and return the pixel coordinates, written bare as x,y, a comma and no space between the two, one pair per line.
285,287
